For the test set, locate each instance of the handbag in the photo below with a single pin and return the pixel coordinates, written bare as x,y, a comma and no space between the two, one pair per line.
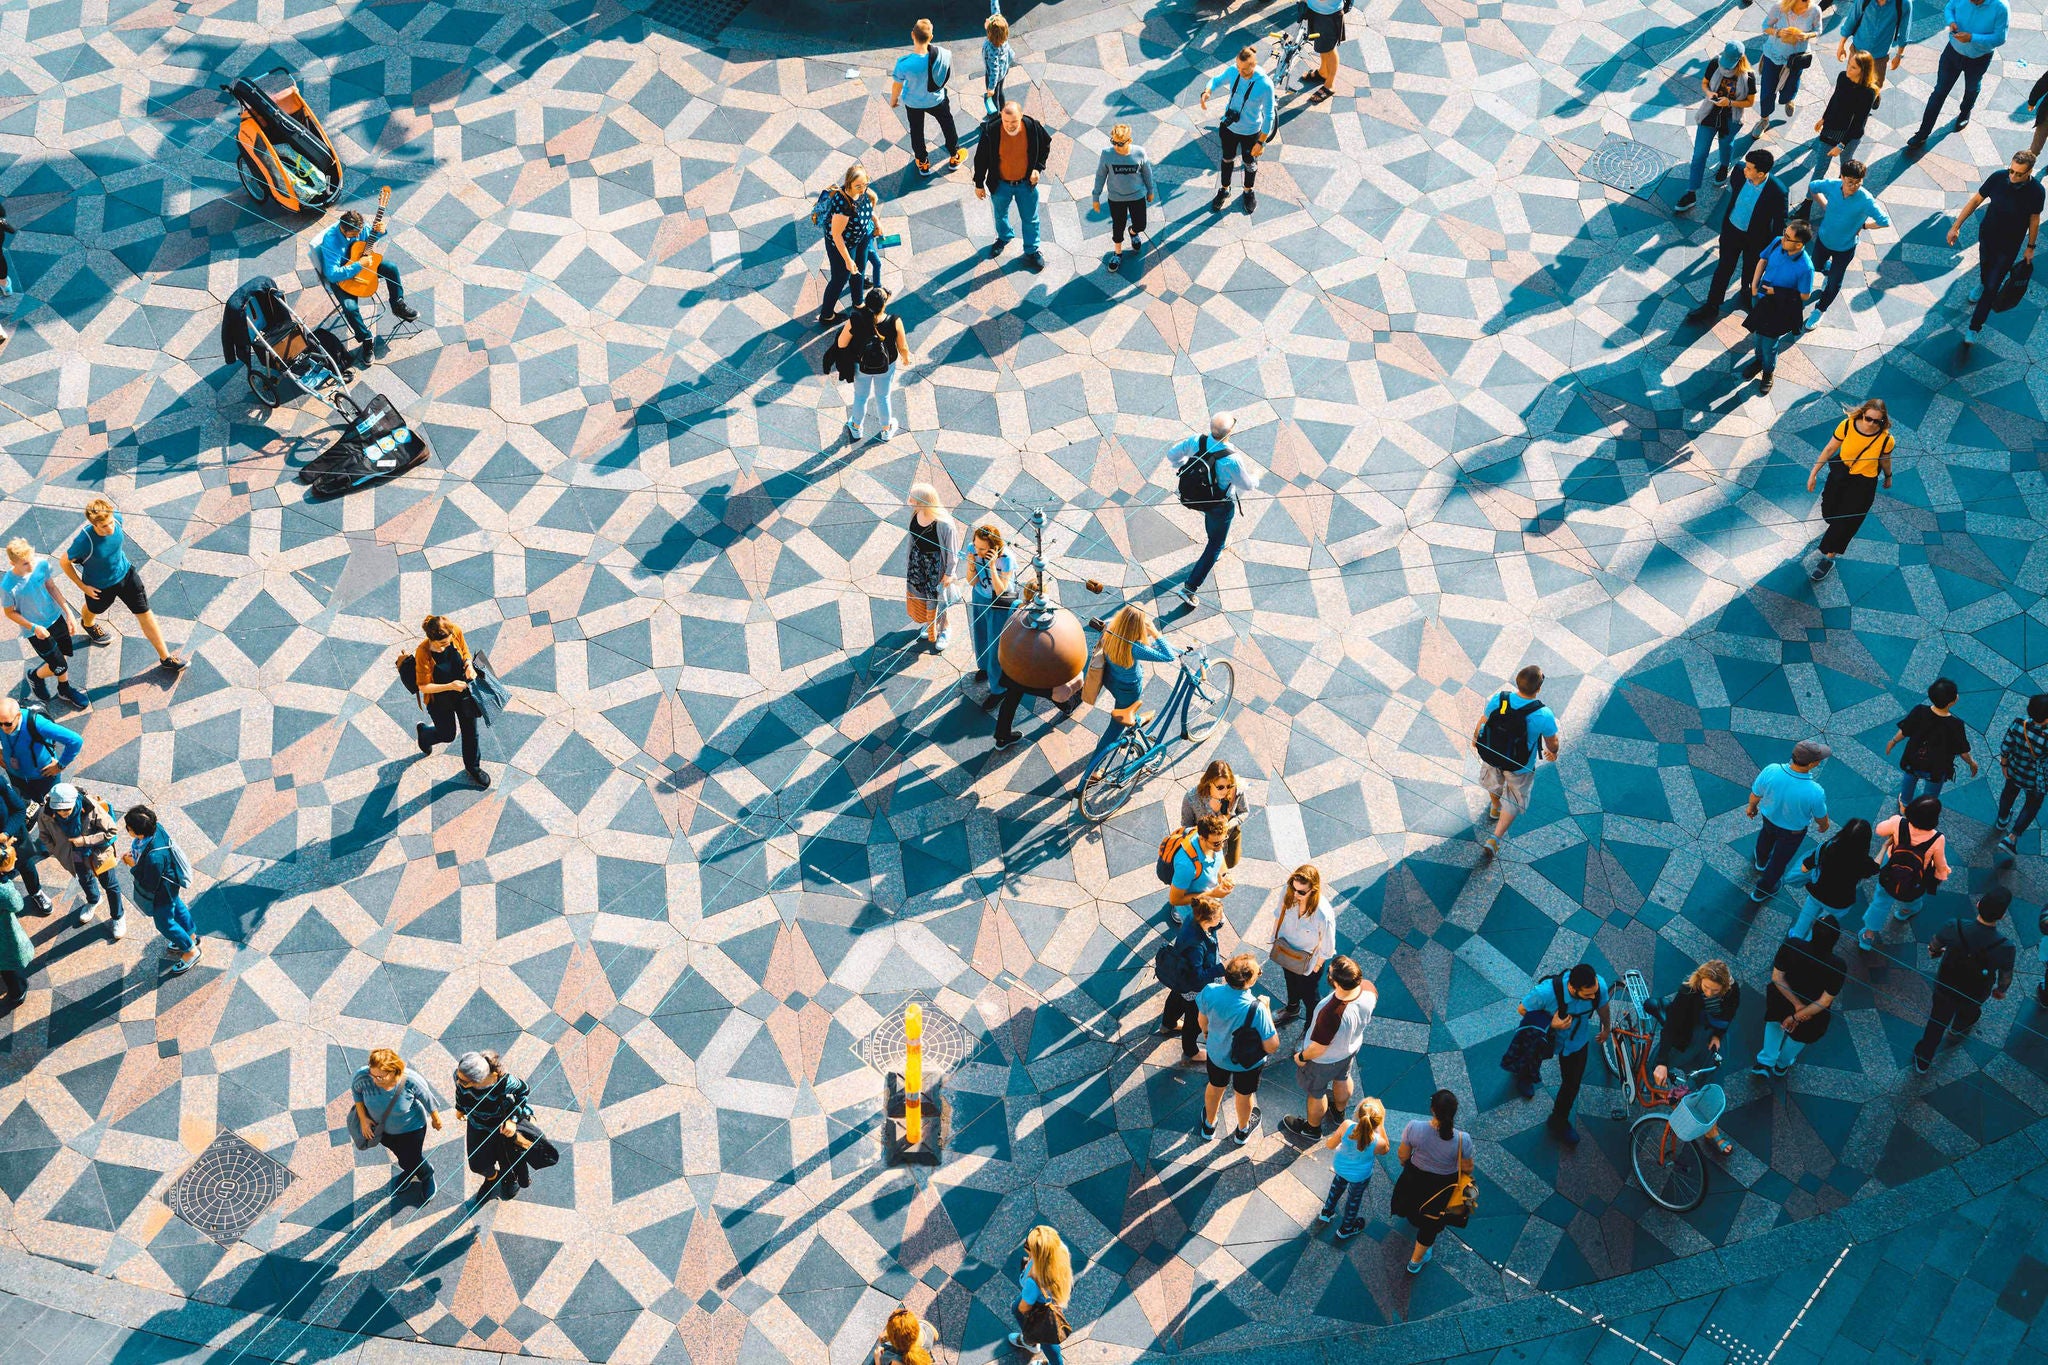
364,1141
540,1153
485,693
1042,1323
1290,958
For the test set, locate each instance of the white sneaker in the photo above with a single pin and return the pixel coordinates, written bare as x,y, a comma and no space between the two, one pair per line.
87,912
1970,335
120,928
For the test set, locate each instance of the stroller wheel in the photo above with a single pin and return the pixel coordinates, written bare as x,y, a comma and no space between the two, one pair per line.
253,183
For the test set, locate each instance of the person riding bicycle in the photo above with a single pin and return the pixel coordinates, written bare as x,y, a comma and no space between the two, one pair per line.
1129,640
1695,1020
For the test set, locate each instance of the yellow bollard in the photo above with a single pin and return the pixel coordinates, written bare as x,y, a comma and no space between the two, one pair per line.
913,1075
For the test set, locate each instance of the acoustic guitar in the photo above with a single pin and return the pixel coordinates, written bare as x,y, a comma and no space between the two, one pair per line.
363,283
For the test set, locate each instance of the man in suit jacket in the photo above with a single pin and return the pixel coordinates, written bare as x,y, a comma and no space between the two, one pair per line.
1750,221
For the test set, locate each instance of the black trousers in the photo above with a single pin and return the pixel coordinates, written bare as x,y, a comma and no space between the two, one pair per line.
1006,711
1303,990
1738,250
1571,1074
449,717
1950,1009
16,982
55,647
407,1149
492,1154
25,855
1182,1014
943,112
1845,500
1233,143
1996,257
1122,211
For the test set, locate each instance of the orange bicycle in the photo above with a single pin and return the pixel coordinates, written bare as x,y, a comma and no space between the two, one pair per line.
1665,1145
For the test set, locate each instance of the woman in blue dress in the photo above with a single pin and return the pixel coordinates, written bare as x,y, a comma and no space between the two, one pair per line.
990,602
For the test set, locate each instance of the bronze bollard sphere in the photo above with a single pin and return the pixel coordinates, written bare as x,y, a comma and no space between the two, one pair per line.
1042,647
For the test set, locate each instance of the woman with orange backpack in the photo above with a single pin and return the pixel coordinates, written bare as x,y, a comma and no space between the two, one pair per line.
1912,864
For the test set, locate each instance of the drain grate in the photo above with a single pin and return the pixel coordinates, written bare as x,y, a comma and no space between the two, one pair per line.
227,1189
1627,165
704,19
946,1044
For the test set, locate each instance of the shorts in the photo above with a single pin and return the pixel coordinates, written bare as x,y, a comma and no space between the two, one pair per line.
1326,29
129,592
1319,1078
1510,789
1243,1082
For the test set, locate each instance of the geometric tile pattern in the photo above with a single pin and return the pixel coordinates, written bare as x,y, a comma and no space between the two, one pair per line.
740,818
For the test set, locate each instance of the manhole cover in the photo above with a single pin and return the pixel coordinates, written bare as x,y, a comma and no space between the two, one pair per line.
699,18
946,1044
1629,166
227,1189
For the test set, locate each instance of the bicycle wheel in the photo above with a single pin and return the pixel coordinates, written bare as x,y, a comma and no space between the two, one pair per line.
253,183
265,381
1208,701
1112,776
1670,1170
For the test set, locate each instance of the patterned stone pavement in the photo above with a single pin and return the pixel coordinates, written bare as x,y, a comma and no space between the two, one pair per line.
739,817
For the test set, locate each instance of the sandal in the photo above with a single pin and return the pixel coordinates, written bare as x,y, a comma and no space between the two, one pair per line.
1723,1148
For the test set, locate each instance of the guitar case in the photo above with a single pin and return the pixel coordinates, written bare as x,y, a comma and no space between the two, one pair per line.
377,444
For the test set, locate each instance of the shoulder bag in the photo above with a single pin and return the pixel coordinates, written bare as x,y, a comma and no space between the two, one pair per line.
1285,955
366,1140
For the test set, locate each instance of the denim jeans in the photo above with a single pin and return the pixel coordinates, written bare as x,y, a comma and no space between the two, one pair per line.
174,922
1216,527
1882,905
1802,926
986,621
1110,734
1778,1049
1767,351
2029,807
1775,849
1835,266
1703,139
1769,73
1024,195
871,390
352,307
1910,781
1953,64
90,883
1352,1192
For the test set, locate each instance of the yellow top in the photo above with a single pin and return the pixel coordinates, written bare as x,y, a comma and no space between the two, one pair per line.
1859,453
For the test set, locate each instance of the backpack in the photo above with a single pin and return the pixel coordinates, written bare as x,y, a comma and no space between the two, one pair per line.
408,672
1504,735
1247,1045
1967,968
1199,486
874,355
1171,966
823,207
936,71
1908,874
1179,841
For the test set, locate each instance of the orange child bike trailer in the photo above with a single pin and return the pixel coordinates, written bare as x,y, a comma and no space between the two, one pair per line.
282,152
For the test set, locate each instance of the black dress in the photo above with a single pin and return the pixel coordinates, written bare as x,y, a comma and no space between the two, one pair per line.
1848,110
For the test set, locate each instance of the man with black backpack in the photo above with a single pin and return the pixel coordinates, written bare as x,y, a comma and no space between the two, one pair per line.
1554,1014
1186,964
1975,963
918,82
1241,1036
1516,730
1210,473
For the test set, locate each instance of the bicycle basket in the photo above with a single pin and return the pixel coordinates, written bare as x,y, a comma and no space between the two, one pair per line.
1698,1112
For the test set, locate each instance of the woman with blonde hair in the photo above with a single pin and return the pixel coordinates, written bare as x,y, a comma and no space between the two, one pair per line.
849,213
934,551
991,598
1304,938
906,1339
1217,793
1694,1022
1128,641
1357,1148
1044,1287
1125,172
1790,26
1855,457
392,1109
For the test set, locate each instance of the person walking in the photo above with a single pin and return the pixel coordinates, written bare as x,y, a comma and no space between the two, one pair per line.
96,560
34,750
1516,730
1753,217
1976,29
1195,960
1806,978
918,83
394,1106
16,829
1356,1148
1779,288
1786,797
934,554
1240,1034
991,599
1973,963
1304,938
2008,234
2023,762
1218,793
2037,105
493,1101
1211,475
1855,457
1130,641
1695,1020
996,61
17,953
1326,27
1912,862
1436,1157
1248,121
80,830
1011,153
331,259
1876,27
1839,868
30,597
443,673
1329,1046
849,233
7,282
1728,87
1563,1003
906,1339
871,348
1934,738
1044,1284
1125,172
1790,26
160,875
1846,117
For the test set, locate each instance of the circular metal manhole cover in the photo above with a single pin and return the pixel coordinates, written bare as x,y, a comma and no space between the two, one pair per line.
946,1044
227,1188
1627,165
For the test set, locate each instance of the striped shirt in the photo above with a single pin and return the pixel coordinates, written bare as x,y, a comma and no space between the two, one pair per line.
2025,754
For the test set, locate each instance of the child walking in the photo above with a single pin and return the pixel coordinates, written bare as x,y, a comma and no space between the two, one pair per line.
1357,1146
1126,172
996,61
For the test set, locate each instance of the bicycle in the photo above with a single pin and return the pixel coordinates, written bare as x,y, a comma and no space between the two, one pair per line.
1200,695
1288,44
1666,1145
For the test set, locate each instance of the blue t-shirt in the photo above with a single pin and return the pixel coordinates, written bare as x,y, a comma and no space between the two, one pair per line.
1326,6
1126,682
1784,270
102,561
1846,214
1542,723
401,1109
913,72
1788,799
1224,1006
1352,1161
1541,1001
1198,874
984,589
1745,203
29,593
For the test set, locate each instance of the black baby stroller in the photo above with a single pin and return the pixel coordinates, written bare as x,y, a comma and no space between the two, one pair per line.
284,152
284,358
